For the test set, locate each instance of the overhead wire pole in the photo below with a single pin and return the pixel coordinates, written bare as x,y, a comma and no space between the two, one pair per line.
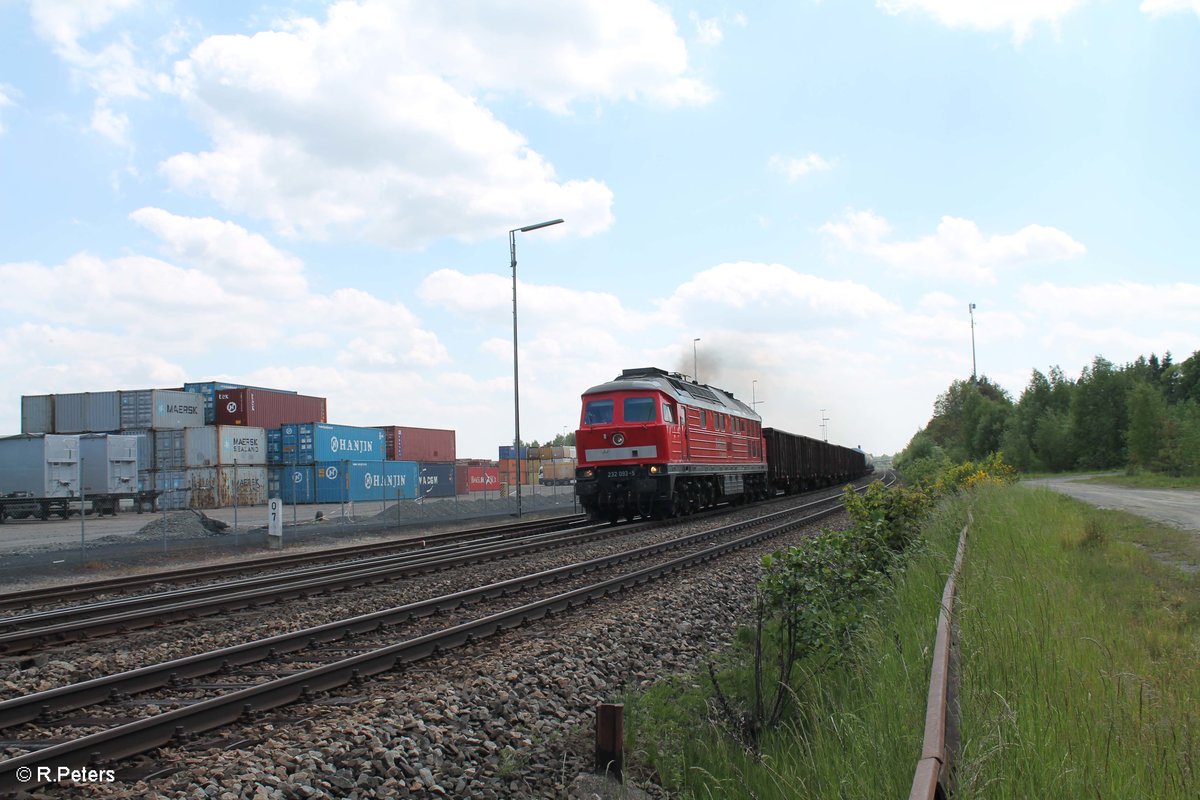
753,395
695,369
824,426
971,311
512,250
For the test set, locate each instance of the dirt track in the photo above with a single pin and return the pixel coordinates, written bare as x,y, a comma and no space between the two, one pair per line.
1177,507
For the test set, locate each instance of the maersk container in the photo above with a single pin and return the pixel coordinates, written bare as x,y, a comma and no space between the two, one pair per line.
110,464
171,485
161,409
436,480
224,487
214,445
358,481
208,390
83,412
419,444
37,413
45,465
265,408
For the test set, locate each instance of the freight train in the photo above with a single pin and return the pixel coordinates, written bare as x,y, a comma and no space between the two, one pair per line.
653,443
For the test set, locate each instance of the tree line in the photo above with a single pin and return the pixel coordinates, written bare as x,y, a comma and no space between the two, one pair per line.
1143,415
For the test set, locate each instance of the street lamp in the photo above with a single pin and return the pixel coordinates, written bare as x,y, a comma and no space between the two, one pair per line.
512,249
695,369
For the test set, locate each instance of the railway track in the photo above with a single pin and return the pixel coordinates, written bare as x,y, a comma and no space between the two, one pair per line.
294,666
32,598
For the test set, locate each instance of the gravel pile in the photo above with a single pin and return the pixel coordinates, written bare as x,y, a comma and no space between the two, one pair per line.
512,716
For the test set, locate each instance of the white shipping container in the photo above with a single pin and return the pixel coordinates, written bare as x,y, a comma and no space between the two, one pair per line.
43,465
110,464
214,445
161,409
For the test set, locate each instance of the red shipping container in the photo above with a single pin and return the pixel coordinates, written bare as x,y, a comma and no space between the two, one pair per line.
483,479
263,408
418,444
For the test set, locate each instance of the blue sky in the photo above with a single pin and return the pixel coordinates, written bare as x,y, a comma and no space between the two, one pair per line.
317,196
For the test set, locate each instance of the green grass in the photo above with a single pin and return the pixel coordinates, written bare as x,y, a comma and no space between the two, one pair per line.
868,710
1149,480
1080,670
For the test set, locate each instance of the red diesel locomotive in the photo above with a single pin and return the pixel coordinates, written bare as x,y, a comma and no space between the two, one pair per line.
653,443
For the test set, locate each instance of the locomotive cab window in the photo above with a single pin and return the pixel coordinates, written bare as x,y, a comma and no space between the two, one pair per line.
598,412
668,414
639,409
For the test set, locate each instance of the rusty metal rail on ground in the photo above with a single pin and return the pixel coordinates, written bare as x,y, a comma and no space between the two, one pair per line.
932,776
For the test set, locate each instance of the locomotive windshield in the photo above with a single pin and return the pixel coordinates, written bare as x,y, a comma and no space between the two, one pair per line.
639,409
598,412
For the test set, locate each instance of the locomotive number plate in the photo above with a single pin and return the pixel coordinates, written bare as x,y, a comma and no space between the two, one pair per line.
621,473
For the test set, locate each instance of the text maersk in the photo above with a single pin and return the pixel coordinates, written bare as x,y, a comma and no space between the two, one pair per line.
247,445
176,408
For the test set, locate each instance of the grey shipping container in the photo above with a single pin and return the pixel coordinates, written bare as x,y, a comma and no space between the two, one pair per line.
110,464
211,445
161,408
44,465
83,412
37,413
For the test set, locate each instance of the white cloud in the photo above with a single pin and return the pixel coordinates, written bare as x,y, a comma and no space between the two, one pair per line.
6,99
795,168
988,15
708,31
111,71
1158,8
1123,302
228,289
958,249
225,251
371,123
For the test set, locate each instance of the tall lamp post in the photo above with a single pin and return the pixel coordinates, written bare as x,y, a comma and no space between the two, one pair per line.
971,311
695,369
512,249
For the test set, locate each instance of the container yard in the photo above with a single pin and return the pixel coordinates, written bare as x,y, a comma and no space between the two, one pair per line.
216,444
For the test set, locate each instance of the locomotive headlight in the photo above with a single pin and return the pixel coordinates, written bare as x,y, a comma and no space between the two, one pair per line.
589,473
654,470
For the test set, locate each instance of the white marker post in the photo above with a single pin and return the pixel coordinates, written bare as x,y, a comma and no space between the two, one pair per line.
275,524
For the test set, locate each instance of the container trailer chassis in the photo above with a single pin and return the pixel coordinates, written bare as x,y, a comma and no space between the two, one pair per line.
23,505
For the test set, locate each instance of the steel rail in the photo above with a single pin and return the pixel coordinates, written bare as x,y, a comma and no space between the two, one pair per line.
146,734
168,597
186,604
27,597
932,773
74,696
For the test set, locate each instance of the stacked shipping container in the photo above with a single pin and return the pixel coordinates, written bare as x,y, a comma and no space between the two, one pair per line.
266,408
434,445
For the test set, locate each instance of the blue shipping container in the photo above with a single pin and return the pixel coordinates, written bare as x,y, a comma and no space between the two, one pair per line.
356,481
309,442
436,480
296,484
507,451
